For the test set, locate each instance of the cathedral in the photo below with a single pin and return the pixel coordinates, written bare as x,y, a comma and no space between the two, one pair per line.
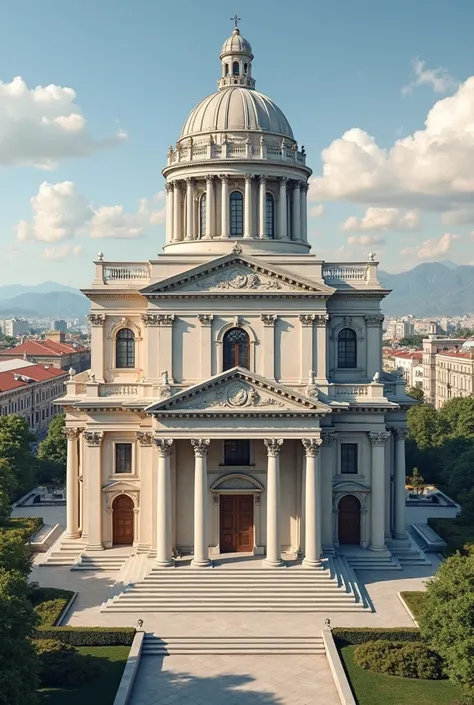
236,401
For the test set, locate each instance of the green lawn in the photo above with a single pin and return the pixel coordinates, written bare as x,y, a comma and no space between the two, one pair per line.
414,600
376,688
100,690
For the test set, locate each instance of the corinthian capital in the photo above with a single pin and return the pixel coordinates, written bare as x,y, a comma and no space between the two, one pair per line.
379,438
96,319
273,446
72,433
163,446
93,438
311,446
201,446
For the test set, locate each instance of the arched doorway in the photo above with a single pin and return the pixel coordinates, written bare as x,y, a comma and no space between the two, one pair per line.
349,520
123,521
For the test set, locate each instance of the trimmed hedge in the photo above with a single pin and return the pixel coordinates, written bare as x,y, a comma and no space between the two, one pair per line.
49,603
400,658
415,600
88,636
24,527
456,534
351,636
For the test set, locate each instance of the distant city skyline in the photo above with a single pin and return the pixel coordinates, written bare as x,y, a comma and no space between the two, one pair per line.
385,113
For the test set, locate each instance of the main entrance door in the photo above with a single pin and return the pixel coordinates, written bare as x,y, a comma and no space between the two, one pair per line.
236,523
123,520
349,520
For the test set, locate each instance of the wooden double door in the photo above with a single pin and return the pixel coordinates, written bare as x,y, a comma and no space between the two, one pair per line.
349,520
123,521
236,523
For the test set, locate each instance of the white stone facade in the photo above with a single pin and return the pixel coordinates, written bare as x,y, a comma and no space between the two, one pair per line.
236,395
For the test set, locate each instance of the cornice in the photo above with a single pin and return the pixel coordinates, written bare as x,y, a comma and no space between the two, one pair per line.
232,161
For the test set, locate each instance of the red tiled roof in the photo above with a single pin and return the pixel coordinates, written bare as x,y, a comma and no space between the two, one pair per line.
456,353
36,373
409,355
47,348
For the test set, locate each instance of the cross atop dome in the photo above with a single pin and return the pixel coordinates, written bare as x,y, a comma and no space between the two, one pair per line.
236,21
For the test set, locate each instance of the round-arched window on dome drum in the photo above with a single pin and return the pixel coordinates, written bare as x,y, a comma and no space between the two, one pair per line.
125,349
235,68
270,215
236,214
236,349
347,349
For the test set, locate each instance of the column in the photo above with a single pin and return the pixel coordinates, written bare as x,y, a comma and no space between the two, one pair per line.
225,212
209,206
93,472
273,558
97,321
151,322
205,319
296,211
306,343
400,479
177,219
262,207
165,346
164,557
169,211
147,465
328,470
268,320
378,440
72,484
201,544
312,531
282,214
321,348
189,208
374,343
304,213
248,206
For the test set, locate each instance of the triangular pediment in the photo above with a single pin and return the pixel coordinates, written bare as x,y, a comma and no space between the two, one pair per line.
238,392
237,275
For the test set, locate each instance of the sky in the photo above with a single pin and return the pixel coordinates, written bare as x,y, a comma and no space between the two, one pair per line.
381,94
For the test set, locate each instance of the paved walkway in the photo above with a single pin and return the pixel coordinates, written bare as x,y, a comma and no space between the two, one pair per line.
234,680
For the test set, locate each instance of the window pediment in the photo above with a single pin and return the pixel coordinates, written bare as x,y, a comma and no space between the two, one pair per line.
238,483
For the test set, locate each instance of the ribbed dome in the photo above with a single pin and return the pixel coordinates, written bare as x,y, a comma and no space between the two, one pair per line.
236,44
236,108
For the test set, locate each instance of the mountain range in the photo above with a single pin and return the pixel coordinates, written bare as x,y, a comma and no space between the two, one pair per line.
430,289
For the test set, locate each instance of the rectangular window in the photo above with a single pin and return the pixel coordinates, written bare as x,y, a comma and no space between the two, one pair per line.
348,458
237,452
123,458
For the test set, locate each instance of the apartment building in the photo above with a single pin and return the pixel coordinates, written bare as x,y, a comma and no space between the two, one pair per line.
54,352
448,368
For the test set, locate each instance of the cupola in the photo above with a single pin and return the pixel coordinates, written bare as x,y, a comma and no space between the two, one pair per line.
236,58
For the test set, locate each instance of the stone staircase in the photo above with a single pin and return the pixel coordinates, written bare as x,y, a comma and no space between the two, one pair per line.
408,553
366,560
241,589
62,553
231,645
101,560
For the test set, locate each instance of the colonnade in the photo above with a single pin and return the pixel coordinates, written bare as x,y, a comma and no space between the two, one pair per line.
314,488
183,202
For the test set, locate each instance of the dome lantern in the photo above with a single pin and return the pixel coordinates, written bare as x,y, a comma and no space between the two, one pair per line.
236,58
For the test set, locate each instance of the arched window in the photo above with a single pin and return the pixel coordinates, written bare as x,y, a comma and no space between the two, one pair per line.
245,69
347,349
202,215
236,349
270,215
236,214
235,68
125,348
227,69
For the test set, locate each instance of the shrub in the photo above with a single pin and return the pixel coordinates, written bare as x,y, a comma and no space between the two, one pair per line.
351,636
64,666
23,527
414,599
43,646
88,636
405,659
49,612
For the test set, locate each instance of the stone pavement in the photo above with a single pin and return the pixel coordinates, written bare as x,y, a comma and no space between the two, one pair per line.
234,680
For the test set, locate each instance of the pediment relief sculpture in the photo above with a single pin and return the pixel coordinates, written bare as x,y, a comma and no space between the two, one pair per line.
239,279
237,395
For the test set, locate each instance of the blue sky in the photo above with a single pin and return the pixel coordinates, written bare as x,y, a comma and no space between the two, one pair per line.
343,72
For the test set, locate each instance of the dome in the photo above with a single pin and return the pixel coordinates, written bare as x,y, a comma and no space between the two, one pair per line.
236,108
236,44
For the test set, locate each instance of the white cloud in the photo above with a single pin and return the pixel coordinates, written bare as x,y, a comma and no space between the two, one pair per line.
383,219
431,249
431,169
316,211
61,212
365,240
62,252
440,80
42,126
462,216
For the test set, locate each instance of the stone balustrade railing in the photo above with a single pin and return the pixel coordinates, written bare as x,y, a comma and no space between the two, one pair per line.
120,274
231,150
357,275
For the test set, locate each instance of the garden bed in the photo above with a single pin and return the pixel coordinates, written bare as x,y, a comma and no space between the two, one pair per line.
455,534
25,527
375,688
414,599
99,690
49,604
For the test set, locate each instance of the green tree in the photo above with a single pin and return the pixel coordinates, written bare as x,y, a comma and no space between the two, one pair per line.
456,419
412,341
447,617
459,476
54,446
8,486
15,439
422,421
464,333
416,393
15,555
416,481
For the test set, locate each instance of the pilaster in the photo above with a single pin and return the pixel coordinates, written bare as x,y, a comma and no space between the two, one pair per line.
72,483
306,345
321,322
268,352
146,520
93,478
165,344
97,321
205,319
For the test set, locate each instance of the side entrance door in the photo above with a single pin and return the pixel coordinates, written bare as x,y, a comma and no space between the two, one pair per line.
236,523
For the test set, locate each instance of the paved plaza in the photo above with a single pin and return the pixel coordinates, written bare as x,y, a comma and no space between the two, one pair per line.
234,680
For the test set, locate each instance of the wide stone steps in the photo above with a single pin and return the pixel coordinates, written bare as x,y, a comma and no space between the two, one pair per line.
100,562
62,553
237,590
234,645
359,562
